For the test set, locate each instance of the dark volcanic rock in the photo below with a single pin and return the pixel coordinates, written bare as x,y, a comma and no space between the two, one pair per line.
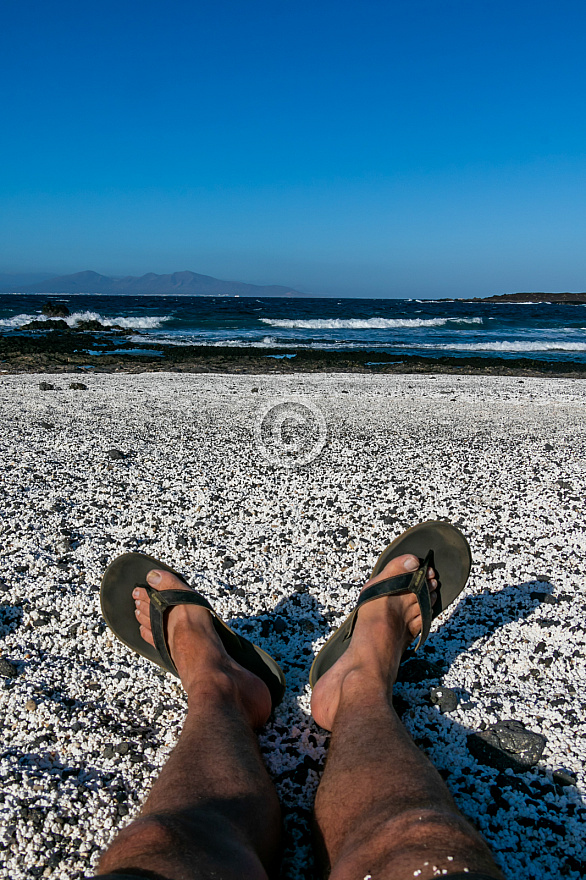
564,777
543,597
507,744
90,325
445,698
46,386
60,351
7,669
534,297
45,325
55,310
77,386
115,454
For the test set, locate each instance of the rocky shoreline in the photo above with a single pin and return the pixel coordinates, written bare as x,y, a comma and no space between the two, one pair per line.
566,297
60,350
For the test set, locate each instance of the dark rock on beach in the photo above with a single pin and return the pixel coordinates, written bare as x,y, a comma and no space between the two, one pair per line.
115,454
77,386
7,669
46,325
86,326
444,698
564,777
55,310
507,744
46,386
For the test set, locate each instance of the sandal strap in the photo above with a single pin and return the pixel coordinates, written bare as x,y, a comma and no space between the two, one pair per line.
410,582
160,601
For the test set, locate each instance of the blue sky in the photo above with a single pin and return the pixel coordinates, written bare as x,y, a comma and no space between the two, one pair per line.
413,148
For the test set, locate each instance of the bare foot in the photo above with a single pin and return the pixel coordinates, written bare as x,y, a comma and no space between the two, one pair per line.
384,628
205,668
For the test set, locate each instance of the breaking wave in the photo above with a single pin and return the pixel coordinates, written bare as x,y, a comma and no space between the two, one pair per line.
130,322
17,321
364,323
513,345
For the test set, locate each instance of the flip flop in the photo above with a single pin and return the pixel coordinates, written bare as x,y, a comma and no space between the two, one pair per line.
130,571
435,543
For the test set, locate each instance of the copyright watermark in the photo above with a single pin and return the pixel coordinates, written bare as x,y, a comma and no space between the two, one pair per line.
290,432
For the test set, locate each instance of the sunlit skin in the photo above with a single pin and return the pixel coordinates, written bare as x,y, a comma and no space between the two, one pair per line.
381,807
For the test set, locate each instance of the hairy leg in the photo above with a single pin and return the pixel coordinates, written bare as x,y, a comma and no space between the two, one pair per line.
382,808
213,812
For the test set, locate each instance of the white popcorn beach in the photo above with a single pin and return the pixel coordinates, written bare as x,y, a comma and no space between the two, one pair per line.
169,464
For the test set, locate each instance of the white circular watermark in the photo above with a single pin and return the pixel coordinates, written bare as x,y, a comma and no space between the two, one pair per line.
290,432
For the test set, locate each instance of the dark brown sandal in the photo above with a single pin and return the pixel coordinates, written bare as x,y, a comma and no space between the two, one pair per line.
130,571
435,543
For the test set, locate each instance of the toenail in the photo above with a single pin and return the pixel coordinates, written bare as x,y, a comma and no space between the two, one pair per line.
136,593
411,563
154,577
136,612
433,583
137,603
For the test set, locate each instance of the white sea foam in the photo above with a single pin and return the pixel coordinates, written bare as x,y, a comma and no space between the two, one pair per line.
364,323
131,322
137,322
143,322
269,341
17,321
513,345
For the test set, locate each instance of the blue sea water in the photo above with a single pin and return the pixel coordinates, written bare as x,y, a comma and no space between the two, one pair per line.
541,331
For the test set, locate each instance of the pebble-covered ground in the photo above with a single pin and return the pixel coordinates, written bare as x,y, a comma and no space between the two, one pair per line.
175,465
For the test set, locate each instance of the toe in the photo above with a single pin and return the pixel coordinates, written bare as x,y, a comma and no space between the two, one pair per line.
142,612
398,565
147,635
165,580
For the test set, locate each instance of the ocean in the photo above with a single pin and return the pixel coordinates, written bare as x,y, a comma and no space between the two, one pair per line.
430,328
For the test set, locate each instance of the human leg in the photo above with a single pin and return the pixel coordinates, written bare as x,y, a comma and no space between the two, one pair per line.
382,809
213,811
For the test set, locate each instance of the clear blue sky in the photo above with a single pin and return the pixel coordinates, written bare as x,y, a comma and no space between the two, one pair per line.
412,148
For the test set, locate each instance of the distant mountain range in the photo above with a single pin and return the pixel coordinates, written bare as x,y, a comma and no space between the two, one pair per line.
178,283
